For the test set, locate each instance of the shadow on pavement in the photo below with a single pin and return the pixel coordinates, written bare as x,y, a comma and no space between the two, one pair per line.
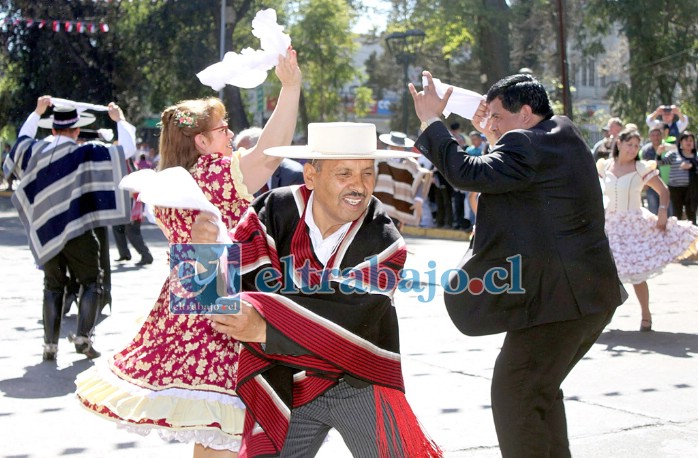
676,344
44,380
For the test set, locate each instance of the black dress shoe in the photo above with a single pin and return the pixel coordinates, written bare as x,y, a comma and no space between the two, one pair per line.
145,260
124,258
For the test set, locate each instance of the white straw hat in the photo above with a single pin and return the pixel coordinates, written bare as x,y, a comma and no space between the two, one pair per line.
338,140
398,139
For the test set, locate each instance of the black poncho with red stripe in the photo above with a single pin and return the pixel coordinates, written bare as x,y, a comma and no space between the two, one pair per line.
324,322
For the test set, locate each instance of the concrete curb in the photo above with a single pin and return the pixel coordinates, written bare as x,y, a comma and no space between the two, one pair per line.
435,233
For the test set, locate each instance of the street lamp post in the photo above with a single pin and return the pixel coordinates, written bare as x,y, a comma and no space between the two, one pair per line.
562,45
404,47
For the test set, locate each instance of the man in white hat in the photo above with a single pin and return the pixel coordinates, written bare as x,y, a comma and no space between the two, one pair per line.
401,183
321,344
66,197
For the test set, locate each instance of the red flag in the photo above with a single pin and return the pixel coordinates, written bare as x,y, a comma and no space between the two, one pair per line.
103,27
80,27
56,26
90,28
30,22
68,26
42,23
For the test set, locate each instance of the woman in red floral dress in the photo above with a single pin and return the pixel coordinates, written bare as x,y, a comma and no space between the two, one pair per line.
178,375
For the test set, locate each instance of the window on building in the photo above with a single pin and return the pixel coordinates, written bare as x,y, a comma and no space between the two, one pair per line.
587,72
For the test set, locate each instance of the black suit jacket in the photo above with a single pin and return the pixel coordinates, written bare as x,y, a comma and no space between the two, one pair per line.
288,173
540,215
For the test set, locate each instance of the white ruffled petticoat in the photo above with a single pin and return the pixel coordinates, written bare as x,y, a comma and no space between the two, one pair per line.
641,250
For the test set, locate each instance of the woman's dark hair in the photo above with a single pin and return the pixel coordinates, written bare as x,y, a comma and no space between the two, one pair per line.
516,91
686,134
624,136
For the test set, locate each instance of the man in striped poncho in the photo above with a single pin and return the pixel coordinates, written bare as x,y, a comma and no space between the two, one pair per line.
401,183
66,197
321,344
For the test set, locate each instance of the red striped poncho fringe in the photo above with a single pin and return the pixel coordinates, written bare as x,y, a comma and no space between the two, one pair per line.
348,328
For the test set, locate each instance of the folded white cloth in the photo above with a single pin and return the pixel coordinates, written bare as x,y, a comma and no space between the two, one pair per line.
79,106
172,188
249,68
463,102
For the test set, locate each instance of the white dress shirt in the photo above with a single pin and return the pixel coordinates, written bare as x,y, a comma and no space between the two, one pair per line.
323,247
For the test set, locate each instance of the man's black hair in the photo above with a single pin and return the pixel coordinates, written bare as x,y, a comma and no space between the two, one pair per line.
516,91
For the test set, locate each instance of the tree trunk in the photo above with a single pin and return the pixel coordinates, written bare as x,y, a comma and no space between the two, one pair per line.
303,110
493,41
236,109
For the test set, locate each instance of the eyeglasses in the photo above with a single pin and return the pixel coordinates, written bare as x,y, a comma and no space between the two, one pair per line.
223,128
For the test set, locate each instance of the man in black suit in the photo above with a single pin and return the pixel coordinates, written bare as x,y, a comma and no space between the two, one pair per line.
539,267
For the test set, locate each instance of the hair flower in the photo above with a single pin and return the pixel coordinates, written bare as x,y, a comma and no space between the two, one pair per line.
185,119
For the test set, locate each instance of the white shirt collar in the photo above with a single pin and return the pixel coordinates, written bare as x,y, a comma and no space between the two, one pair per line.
323,248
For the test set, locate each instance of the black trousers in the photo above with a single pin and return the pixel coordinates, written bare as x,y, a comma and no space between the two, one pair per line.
82,255
680,199
444,206
527,402
459,209
132,233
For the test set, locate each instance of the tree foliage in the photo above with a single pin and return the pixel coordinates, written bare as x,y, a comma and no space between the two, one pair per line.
153,50
40,61
662,51
147,59
321,34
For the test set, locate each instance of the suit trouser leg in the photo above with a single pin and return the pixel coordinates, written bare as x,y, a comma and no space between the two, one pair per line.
307,430
527,402
459,208
353,414
133,232
352,411
119,232
444,207
134,235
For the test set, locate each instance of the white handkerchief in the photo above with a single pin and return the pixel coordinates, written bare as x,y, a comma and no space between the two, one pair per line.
172,188
462,102
79,106
249,68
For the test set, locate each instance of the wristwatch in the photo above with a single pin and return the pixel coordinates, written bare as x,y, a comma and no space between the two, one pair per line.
428,123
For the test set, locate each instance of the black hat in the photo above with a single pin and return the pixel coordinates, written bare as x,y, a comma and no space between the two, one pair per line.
65,118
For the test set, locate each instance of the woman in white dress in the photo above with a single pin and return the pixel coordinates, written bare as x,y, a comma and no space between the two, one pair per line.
642,243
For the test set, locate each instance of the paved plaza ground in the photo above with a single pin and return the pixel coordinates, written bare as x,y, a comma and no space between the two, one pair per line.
634,395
